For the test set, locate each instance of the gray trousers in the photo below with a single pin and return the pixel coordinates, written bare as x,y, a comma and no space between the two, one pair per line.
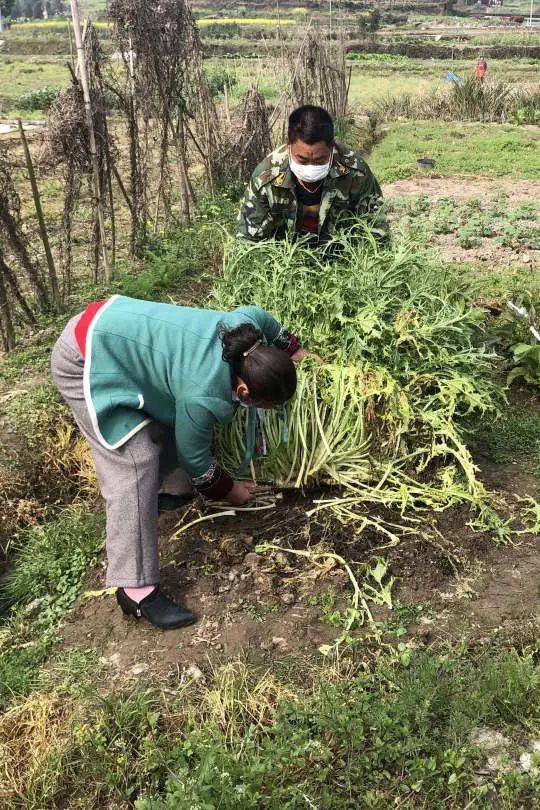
129,477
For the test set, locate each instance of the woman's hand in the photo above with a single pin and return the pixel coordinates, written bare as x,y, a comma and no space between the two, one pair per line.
301,353
241,493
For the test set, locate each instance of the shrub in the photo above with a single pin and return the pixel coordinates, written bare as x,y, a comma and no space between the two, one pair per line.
218,78
469,100
221,30
41,99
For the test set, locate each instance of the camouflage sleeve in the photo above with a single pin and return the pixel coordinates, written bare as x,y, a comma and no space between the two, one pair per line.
368,201
255,221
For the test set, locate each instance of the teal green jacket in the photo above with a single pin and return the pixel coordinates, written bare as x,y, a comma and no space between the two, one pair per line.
150,361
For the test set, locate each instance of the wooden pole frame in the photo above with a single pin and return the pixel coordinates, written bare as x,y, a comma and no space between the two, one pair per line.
53,278
81,62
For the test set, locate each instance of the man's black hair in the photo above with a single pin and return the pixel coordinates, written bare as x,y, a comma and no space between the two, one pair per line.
311,124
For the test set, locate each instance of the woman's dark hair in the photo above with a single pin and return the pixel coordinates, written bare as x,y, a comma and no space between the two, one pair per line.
268,372
311,124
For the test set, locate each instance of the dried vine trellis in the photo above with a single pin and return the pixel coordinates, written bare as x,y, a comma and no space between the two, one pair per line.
152,97
20,271
168,109
320,75
254,141
67,144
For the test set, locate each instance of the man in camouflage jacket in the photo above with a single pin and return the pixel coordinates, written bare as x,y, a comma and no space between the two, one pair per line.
274,204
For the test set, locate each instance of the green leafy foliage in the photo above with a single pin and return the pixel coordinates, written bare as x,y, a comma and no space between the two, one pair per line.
218,78
527,363
399,729
40,99
183,258
404,364
513,436
471,221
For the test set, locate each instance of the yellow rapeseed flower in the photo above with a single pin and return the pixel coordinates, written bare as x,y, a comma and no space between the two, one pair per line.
242,21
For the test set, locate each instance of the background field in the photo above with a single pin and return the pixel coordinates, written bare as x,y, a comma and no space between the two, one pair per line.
436,704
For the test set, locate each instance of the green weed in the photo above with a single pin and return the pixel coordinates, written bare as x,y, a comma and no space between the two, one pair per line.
404,363
467,100
52,561
19,364
393,730
403,615
260,611
218,78
515,435
184,257
491,150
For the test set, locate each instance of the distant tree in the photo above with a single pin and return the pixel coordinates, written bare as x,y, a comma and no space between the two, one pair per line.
7,7
369,22
32,8
26,8
374,21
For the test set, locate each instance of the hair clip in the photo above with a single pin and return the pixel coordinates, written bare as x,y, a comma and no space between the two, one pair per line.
257,343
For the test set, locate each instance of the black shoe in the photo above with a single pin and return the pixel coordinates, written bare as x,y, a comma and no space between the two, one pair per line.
167,502
158,609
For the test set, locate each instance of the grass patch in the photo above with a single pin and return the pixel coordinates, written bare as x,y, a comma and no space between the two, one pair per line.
19,364
30,413
495,283
400,729
513,437
20,77
367,88
490,150
52,561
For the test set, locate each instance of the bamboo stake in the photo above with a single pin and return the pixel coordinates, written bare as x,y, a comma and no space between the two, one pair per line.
71,59
91,135
53,278
226,103
7,329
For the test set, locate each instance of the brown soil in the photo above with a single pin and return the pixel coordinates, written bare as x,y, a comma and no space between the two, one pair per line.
257,604
488,251
463,188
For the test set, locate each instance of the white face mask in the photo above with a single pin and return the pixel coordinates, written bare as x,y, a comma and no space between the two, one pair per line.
309,173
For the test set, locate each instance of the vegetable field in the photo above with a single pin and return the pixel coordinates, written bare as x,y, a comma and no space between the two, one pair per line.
367,631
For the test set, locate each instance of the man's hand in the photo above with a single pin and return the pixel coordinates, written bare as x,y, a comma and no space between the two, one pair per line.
301,353
241,493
